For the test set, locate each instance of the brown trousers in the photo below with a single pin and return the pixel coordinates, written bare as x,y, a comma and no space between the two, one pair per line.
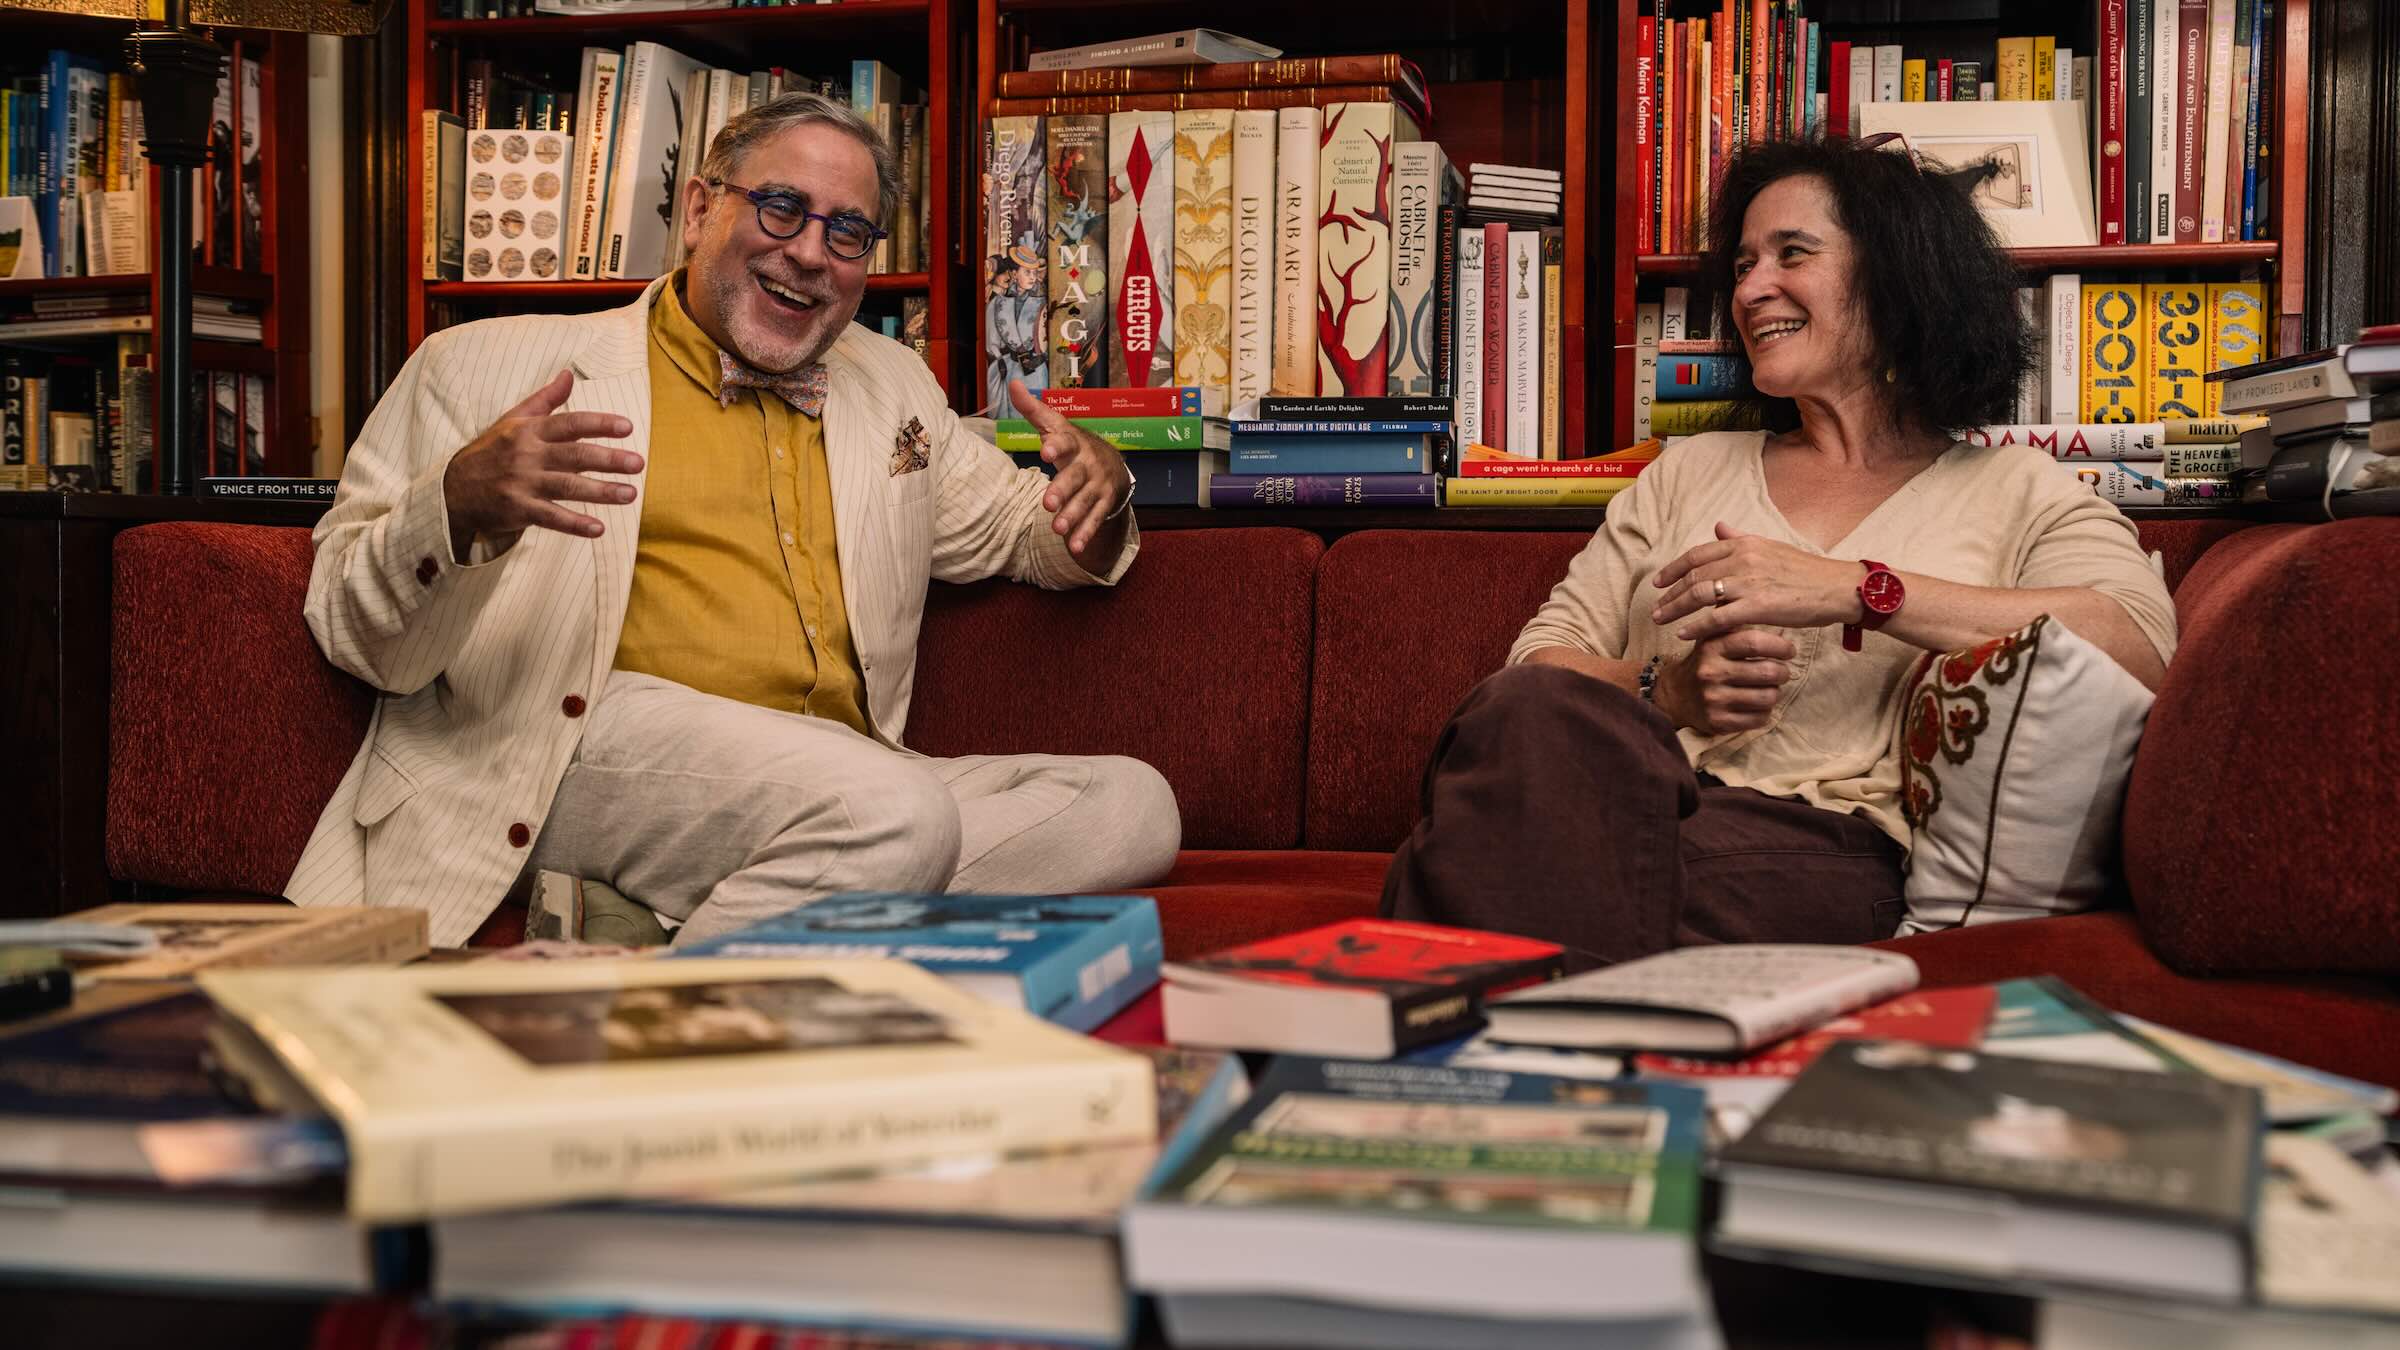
1559,807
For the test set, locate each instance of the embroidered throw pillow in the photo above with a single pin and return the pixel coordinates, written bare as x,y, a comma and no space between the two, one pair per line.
2013,761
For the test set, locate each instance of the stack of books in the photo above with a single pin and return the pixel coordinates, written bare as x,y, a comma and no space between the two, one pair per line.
1174,437
1514,192
1336,452
2322,449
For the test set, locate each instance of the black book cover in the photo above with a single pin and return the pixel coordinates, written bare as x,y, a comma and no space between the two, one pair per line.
2176,1146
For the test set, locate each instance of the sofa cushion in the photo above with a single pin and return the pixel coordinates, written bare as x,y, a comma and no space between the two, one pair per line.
1407,622
2180,543
227,729
1196,663
2259,834
2347,1024
1216,898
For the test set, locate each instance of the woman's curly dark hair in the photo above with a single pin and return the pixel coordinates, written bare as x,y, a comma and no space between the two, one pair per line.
1939,295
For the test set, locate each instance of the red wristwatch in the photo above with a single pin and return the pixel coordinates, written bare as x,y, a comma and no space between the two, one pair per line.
1881,596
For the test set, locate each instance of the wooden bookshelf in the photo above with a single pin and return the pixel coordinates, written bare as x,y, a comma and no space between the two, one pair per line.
282,353
2280,261
918,38
1511,81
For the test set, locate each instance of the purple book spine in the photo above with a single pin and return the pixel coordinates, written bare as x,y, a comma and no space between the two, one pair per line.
1228,490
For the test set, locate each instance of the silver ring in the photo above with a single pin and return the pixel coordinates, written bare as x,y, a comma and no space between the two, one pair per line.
1720,585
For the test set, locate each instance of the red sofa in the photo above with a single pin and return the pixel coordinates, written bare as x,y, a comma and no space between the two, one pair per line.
1288,689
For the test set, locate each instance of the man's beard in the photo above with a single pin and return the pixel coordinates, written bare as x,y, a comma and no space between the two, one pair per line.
766,346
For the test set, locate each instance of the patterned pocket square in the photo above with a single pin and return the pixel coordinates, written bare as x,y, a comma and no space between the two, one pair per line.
912,449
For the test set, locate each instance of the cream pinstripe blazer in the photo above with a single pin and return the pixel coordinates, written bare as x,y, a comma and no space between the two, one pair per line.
476,663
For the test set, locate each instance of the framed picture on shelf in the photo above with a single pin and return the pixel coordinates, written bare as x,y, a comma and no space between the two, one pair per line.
2042,195
20,240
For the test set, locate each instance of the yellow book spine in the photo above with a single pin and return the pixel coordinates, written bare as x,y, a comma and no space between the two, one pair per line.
1912,81
2045,80
2174,333
111,170
1531,491
2237,332
2113,368
2015,77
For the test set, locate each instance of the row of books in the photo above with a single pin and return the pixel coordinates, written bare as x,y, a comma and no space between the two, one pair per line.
88,423
2329,433
538,200
2175,95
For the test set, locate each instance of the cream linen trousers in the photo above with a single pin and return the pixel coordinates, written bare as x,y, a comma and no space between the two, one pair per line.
717,813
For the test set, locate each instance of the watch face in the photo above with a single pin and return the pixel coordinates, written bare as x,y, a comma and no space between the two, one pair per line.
1882,592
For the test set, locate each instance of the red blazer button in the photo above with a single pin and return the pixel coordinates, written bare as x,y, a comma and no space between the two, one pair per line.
519,836
427,571
571,705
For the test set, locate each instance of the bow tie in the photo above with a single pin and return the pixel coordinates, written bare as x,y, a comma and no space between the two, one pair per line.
804,388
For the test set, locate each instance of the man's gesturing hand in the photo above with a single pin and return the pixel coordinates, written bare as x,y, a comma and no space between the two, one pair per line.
1091,478
518,471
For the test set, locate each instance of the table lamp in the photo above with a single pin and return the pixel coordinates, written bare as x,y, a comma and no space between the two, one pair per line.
175,69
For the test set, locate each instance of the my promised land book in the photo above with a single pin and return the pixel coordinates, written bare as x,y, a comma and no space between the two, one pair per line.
1076,960
471,1087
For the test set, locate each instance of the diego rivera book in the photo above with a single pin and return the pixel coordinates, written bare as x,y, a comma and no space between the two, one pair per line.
163,942
1022,1246
1365,987
1015,236
486,1086
1569,1200
2004,1170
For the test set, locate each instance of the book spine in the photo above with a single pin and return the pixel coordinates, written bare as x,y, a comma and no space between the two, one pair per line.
1645,366
1445,301
1692,377
1891,71
1468,389
2045,68
1232,491
1354,249
2191,116
597,151
1662,123
1015,288
1553,248
1094,401
2177,314
1077,274
2237,115
1417,172
1203,248
2253,128
1298,133
1292,72
1584,490
1253,283
1141,240
1389,408
2220,111
2237,335
1912,80
640,72
2108,101
1330,455
429,208
2141,28
1862,82
1212,100
1125,433
2165,111
1525,340
2090,440
1496,264
1083,984
2113,367
2030,389
2209,430
1837,68
2126,485
2201,461
402,1170
1645,145
1542,468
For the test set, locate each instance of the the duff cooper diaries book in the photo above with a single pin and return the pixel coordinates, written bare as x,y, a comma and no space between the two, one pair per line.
1076,960
487,1085
2169,1163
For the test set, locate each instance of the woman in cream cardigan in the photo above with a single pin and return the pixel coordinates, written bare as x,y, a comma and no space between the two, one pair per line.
1693,739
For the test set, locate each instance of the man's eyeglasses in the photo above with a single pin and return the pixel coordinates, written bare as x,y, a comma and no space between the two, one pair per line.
781,215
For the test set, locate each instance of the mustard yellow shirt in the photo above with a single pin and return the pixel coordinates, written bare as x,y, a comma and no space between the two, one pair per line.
737,583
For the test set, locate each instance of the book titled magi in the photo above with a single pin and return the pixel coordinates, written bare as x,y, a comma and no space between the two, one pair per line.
482,1086
1364,987
1076,960
1078,271
1235,490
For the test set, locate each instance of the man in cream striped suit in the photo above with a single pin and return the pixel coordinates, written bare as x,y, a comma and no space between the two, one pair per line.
642,589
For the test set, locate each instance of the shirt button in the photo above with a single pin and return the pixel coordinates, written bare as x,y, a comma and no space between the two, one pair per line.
787,539
519,836
779,452
571,705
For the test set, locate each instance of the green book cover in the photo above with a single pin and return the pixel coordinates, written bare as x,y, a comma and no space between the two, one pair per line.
1125,433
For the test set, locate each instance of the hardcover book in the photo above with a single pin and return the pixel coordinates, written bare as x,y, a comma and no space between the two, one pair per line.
2004,1169
1203,248
171,941
2091,440
1076,960
1364,987
443,151
642,181
1317,453
1422,182
1168,477
1581,490
2115,356
1230,491
597,98
1298,132
1524,289
1125,433
1354,248
1571,1201
2177,352
1016,232
496,1085
2237,333
1253,343
1951,1018
1469,334
1078,263
1183,47
1141,248
1724,1000
2062,340
1166,400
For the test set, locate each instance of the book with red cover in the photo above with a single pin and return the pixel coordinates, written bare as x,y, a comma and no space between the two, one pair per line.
1362,988
1950,1018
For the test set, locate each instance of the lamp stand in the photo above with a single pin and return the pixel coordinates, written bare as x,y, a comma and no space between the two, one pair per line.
176,72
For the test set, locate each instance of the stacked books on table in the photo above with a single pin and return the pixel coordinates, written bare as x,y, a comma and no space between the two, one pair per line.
1514,192
2183,462
1482,476
2331,443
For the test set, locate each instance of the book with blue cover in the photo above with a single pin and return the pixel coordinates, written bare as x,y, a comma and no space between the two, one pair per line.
1075,960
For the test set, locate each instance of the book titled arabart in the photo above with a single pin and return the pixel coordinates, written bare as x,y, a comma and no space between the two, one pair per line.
1141,248
1076,960
1298,132
1015,239
486,1086
1078,263
1203,248
1354,248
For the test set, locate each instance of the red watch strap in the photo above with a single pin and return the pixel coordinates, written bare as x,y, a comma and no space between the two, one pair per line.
1854,634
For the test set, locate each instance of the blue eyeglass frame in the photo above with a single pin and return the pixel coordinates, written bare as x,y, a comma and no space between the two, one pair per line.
760,197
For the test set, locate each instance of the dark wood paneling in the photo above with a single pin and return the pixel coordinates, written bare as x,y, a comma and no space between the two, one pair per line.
376,257
2354,169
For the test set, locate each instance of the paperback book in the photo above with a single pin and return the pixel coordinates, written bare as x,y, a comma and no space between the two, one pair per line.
1723,1000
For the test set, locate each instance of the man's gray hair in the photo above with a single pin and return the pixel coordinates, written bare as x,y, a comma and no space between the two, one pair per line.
781,114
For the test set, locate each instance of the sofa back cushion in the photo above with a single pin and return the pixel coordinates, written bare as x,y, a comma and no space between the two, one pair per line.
1196,663
227,729
1407,622
2259,829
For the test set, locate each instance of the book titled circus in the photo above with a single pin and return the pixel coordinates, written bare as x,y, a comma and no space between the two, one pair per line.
1141,248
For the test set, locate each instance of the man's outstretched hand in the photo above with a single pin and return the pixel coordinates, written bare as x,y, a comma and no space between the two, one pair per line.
1091,480
517,472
